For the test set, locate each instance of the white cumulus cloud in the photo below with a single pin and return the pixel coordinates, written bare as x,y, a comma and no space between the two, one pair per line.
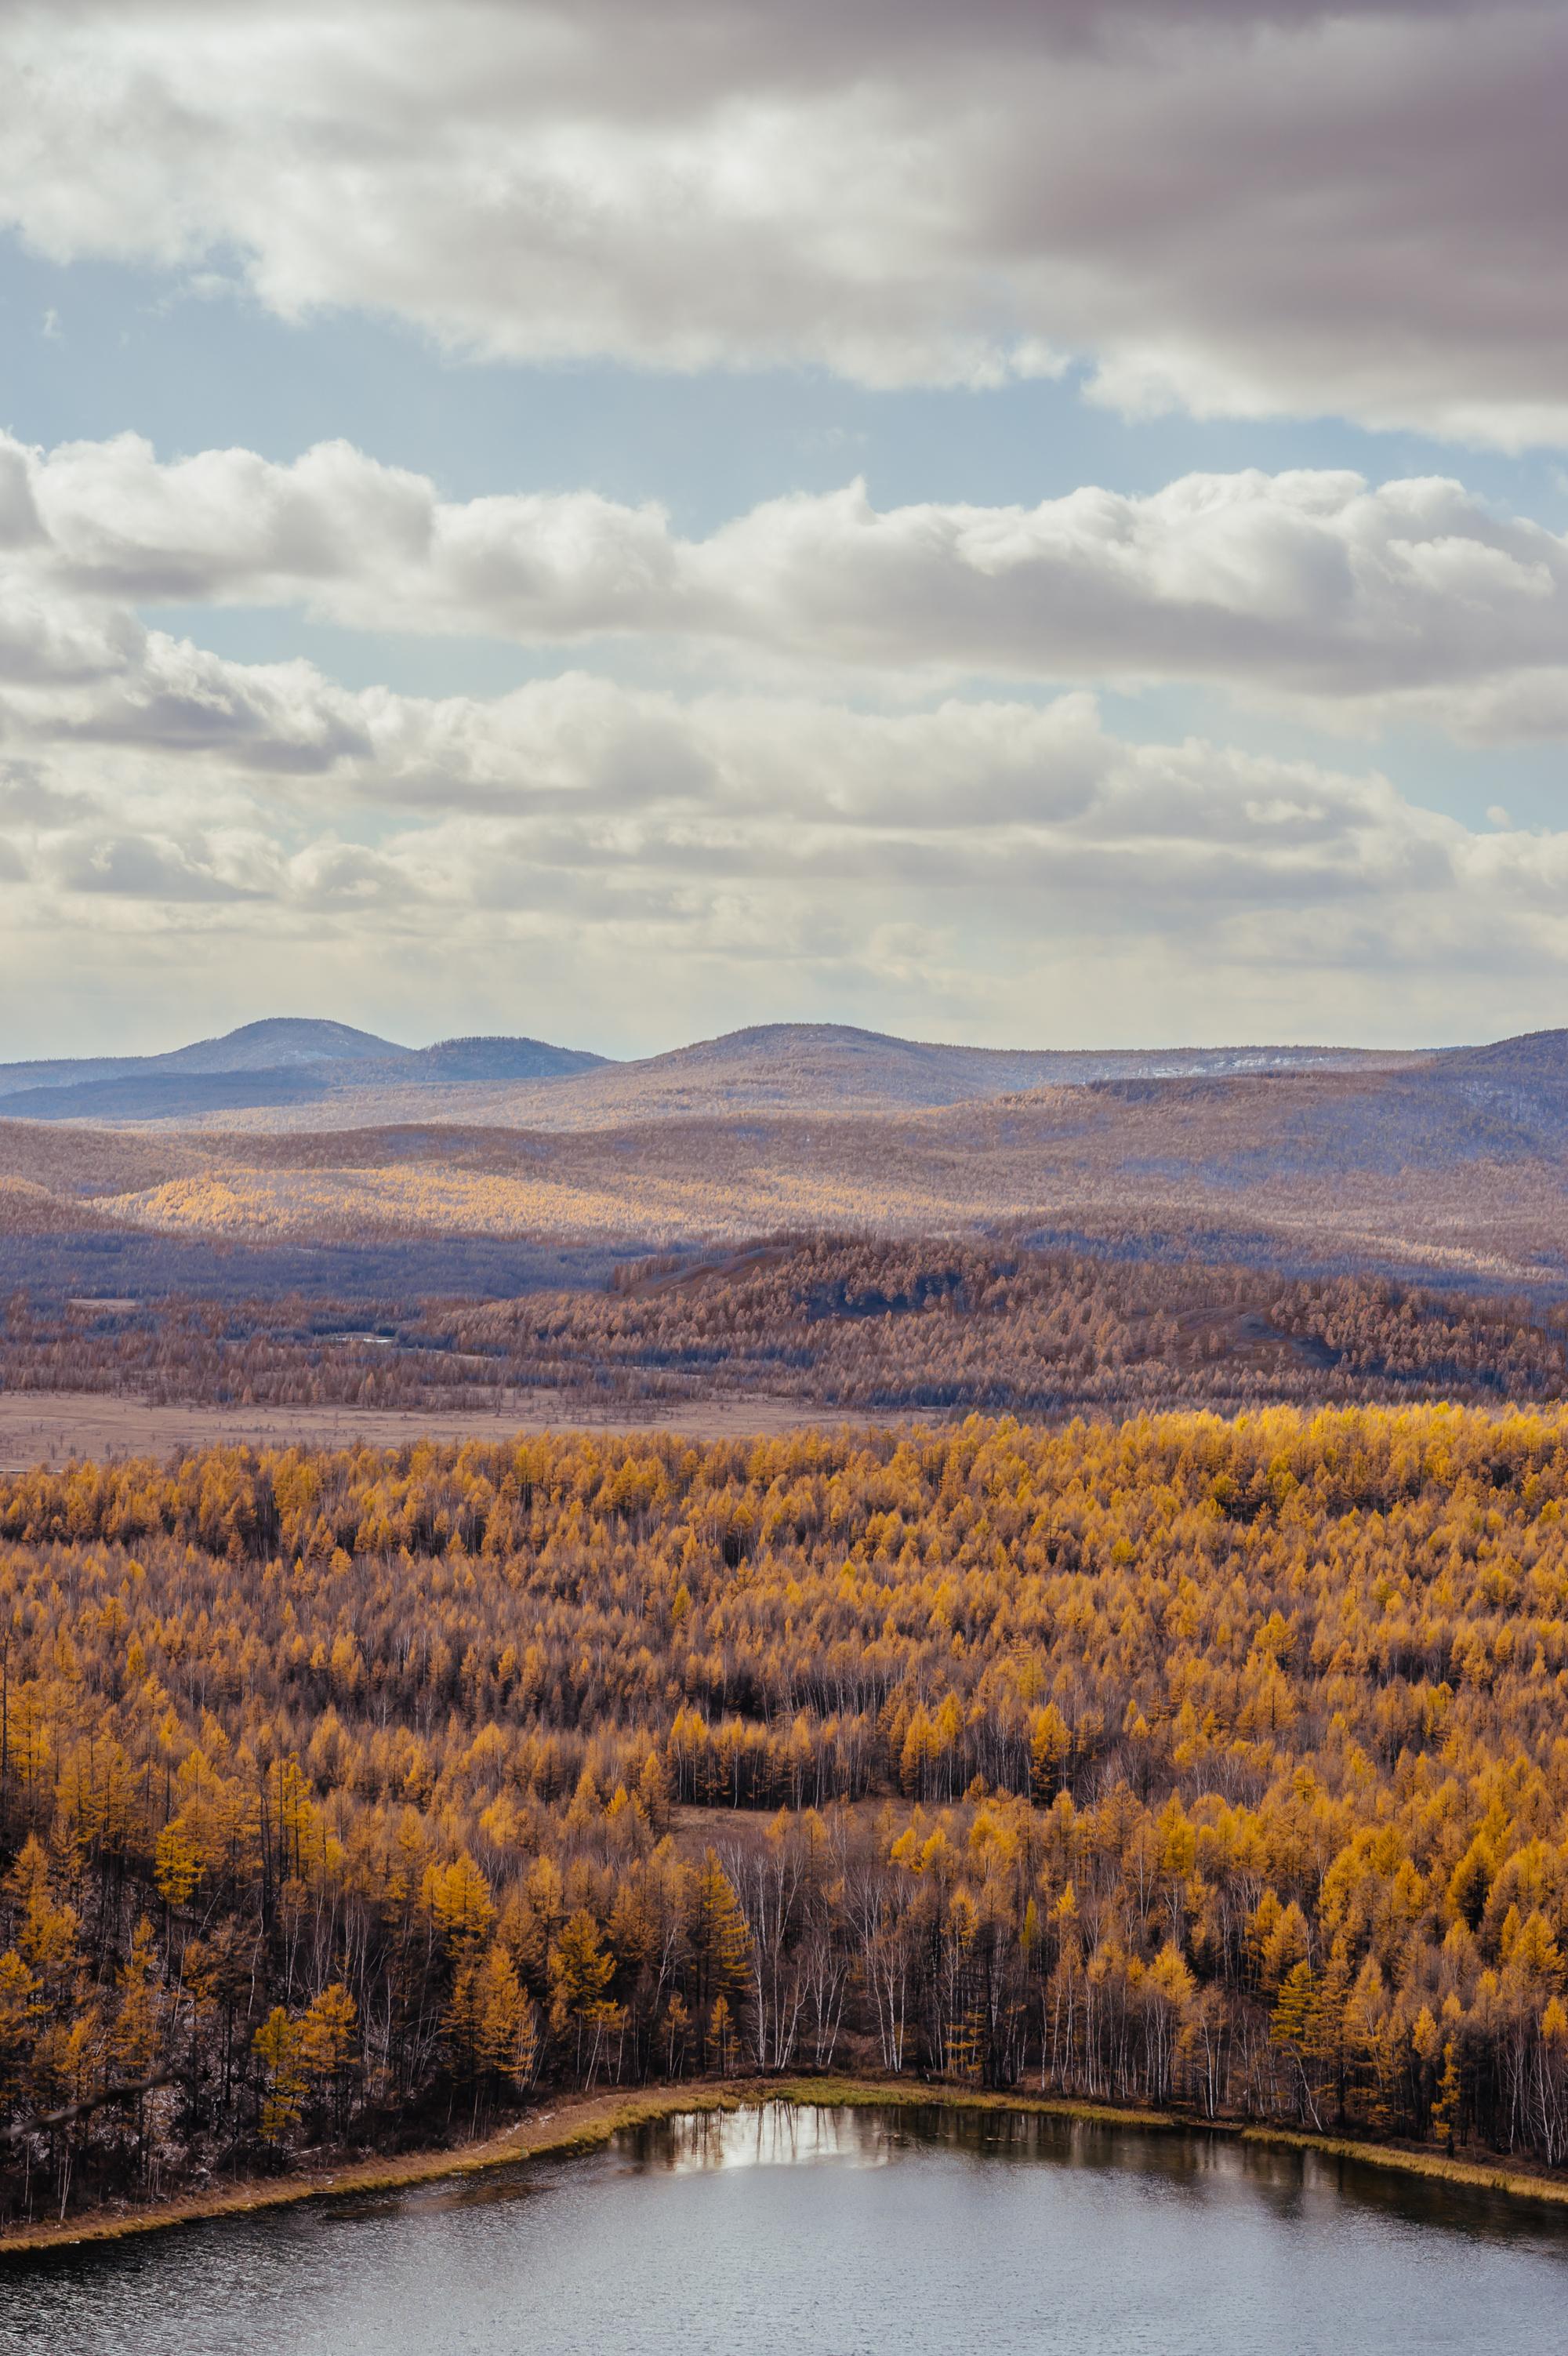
1240,207
1309,586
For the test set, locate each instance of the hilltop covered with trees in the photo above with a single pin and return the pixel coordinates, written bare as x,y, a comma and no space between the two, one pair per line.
933,1326
347,1799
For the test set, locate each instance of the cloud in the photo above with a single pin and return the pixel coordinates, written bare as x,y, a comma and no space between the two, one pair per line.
872,807
575,786
48,638
1273,208
139,867
26,799
1307,586
605,863
282,717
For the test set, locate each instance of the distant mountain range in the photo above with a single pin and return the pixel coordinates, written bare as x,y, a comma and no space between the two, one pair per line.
297,1134
265,1065
297,1072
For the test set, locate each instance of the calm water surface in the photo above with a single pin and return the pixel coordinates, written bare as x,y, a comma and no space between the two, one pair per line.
843,2233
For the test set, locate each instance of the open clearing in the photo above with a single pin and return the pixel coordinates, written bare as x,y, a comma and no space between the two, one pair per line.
48,1427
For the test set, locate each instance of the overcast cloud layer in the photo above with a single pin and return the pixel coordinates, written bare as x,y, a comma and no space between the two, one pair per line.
1273,208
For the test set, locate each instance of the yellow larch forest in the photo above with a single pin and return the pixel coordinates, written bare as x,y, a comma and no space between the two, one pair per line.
347,1799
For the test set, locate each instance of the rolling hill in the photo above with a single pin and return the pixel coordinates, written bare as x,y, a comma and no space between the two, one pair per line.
325,1075
268,1066
1454,1161
276,1044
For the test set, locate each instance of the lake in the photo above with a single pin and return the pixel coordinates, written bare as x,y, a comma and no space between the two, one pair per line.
843,2233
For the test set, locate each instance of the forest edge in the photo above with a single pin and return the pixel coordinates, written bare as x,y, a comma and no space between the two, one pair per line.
586,2123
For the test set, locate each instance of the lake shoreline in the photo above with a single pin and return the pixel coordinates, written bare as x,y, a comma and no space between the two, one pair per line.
585,2122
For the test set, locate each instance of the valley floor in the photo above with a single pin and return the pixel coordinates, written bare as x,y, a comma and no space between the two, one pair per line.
50,1426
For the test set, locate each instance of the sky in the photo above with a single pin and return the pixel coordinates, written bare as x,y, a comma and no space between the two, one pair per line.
1043,523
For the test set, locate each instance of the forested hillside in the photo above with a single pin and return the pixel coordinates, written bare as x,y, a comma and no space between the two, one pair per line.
347,1799
933,1326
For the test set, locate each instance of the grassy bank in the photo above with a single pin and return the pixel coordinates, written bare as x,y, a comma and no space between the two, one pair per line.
1477,2176
584,2123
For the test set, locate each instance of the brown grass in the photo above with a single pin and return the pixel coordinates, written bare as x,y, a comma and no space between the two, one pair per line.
48,1427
